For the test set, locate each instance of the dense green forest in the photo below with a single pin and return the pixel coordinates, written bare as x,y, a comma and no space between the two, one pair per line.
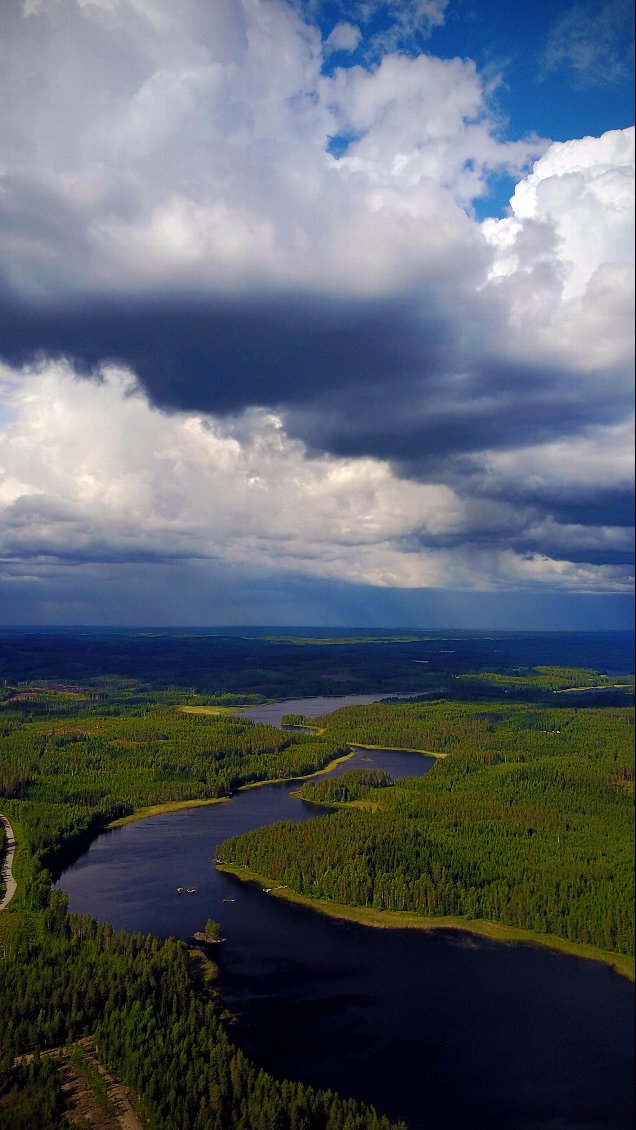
62,778
354,785
68,764
286,664
527,820
154,1027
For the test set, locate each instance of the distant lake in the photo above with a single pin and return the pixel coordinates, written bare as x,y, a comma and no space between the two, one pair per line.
445,1030
272,712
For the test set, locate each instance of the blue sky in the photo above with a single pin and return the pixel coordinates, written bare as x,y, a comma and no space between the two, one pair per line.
561,70
316,312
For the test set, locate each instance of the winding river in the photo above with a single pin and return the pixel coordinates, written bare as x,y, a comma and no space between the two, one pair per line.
445,1030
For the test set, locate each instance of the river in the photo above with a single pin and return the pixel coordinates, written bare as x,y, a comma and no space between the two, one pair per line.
446,1030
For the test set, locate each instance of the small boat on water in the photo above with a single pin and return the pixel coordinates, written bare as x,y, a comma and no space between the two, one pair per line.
180,890
229,900
191,890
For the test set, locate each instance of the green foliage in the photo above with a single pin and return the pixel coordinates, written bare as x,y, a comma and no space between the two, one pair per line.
64,774
230,699
31,1096
88,1069
64,778
212,929
528,821
354,785
547,678
73,976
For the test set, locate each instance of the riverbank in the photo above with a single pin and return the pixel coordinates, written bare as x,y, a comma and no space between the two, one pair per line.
160,809
401,749
403,919
307,777
231,710
177,805
6,873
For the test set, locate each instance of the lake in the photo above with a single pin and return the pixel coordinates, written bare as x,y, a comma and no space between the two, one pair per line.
445,1030
272,712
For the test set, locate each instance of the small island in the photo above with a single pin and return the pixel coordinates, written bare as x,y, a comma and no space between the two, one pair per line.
210,935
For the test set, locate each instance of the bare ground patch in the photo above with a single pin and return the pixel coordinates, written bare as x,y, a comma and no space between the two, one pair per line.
92,1098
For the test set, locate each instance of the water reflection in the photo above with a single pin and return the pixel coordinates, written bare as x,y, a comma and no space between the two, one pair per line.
445,1030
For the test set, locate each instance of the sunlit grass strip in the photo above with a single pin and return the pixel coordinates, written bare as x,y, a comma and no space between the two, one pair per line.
406,920
362,802
306,777
214,709
167,806
176,805
400,749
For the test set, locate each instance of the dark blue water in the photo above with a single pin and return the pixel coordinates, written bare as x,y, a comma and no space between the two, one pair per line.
129,876
445,1030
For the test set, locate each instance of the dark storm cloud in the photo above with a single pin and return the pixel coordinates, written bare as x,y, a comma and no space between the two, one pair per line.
387,378
221,356
572,504
170,203
430,423
557,547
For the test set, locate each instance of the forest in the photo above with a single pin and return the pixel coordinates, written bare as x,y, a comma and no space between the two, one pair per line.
293,663
526,818
64,778
70,764
354,785
152,1026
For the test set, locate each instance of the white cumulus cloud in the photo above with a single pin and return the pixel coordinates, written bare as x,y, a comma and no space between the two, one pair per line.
364,382
343,37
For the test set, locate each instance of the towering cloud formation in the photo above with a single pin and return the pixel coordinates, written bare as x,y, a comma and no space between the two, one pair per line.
253,296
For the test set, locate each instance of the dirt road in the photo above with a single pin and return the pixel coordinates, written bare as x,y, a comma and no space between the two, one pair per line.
7,864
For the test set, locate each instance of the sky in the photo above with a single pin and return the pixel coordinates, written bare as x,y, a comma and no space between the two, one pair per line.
316,312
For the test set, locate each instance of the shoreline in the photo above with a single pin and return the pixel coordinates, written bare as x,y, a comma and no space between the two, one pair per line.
401,749
622,964
159,809
177,805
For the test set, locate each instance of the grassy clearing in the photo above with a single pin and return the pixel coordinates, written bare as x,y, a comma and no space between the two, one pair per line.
204,970
11,927
401,919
